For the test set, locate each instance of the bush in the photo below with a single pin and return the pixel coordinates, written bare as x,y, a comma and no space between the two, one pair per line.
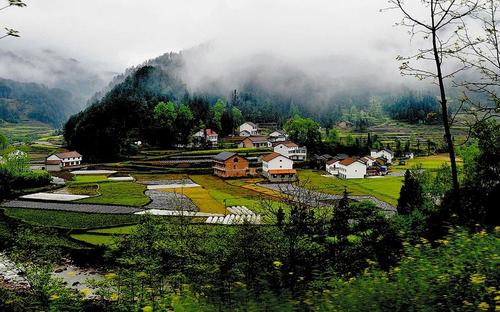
31,179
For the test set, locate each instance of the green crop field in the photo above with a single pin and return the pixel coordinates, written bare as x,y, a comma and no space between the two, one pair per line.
95,239
385,188
119,193
69,220
230,192
25,130
429,162
89,179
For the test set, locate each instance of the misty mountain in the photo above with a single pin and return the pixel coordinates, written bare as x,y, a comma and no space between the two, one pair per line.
268,89
53,70
21,101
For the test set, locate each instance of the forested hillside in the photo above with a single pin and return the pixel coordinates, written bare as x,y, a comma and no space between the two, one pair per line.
271,92
20,101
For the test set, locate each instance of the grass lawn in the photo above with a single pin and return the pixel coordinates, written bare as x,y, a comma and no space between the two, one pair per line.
386,188
428,162
95,239
81,179
119,193
69,220
121,230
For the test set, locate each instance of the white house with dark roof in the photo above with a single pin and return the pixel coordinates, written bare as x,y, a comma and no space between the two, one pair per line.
385,153
209,135
59,161
291,150
278,168
249,129
278,136
332,166
351,168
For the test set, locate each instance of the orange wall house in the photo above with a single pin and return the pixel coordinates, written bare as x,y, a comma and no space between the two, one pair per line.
228,165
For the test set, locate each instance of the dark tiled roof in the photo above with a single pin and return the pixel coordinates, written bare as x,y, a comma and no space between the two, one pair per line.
224,156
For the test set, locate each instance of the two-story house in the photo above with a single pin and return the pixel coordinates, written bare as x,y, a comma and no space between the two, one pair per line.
229,165
206,135
248,129
385,153
291,150
278,136
59,161
278,168
351,168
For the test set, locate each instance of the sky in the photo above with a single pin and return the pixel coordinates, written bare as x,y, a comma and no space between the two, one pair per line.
112,35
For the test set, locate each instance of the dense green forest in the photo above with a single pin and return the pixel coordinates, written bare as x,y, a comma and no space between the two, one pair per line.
21,101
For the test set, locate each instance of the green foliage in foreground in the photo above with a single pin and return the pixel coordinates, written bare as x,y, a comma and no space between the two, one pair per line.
460,275
119,193
69,220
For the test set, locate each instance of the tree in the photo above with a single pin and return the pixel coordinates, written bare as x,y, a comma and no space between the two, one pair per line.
4,142
411,194
479,52
333,136
217,111
237,117
166,112
440,28
304,131
184,123
9,32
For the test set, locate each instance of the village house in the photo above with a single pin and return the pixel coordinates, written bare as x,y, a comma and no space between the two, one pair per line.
369,161
255,142
230,165
385,153
278,168
249,129
291,150
206,135
59,161
332,166
278,136
351,168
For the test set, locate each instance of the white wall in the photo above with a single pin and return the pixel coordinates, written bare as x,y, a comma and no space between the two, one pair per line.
356,170
279,162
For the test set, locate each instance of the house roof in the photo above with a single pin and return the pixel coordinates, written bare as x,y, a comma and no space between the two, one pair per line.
280,132
342,156
68,154
282,171
349,161
257,139
224,156
250,123
288,144
271,156
332,161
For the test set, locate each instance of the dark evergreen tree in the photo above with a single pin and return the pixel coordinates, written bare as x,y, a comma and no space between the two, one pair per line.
410,196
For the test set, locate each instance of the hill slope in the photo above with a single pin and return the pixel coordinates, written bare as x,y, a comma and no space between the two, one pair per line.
20,101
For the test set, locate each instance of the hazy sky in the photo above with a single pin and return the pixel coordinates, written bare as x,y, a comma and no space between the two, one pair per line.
115,34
